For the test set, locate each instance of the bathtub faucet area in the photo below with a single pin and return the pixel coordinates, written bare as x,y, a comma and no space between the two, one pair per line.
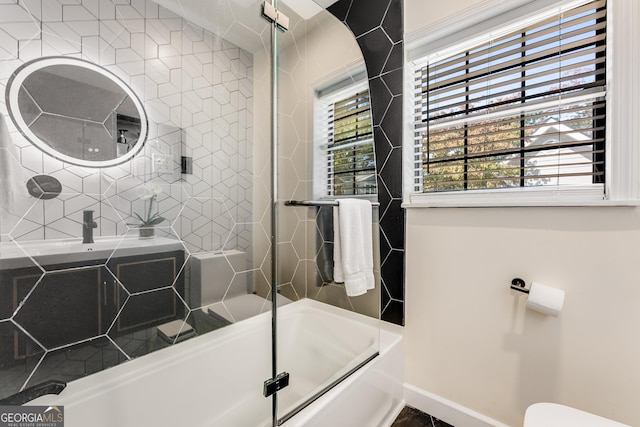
88,224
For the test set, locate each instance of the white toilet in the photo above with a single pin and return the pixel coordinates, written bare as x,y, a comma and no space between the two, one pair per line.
220,292
554,415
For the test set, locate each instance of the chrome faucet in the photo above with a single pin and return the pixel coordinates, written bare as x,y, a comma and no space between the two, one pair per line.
88,224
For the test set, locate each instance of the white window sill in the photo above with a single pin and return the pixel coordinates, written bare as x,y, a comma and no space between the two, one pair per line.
524,197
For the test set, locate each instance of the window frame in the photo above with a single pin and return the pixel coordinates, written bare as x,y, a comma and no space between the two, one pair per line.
346,87
621,182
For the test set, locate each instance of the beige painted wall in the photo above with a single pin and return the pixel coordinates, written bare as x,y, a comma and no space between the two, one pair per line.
420,13
470,339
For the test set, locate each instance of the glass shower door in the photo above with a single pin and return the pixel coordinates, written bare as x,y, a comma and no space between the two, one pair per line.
321,334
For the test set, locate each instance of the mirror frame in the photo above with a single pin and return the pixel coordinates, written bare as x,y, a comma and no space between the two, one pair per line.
11,97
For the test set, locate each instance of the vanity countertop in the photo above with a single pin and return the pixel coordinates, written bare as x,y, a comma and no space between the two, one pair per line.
56,251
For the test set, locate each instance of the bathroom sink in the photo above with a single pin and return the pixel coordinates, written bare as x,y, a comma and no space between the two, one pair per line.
67,246
56,251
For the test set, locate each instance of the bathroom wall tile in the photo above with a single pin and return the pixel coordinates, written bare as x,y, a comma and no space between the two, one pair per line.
93,7
58,38
8,47
288,262
391,127
382,50
376,47
299,237
392,223
109,222
20,31
288,291
171,48
31,158
34,7
140,6
28,227
150,47
395,59
128,12
170,94
114,34
391,19
152,9
91,48
135,53
186,41
307,277
193,219
174,63
239,285
389,170
74,204
107,53
394,81
51,11
157,31
107,9
365,15
333,294
381,96
393,312
392,271
63,228
77,13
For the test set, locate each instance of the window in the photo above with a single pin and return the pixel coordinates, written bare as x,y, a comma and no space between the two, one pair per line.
345,135
522,109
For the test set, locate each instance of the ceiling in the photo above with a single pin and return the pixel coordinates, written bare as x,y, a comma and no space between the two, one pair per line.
240,21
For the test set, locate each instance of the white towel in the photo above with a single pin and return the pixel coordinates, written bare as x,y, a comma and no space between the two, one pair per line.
353,246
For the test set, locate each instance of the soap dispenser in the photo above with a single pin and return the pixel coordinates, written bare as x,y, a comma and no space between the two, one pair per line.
122,147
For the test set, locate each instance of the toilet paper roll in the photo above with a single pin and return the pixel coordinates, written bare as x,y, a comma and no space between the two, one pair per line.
545,299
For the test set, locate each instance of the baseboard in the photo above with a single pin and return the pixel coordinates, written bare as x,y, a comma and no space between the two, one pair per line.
388,421
446,410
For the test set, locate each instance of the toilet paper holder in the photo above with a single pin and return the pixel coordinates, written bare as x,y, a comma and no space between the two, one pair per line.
517,284
541,298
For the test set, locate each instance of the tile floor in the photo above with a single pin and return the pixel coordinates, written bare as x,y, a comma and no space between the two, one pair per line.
411,417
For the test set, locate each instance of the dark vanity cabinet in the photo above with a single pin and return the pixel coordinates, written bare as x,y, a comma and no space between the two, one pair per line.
68,303
63,308
56,308
148,296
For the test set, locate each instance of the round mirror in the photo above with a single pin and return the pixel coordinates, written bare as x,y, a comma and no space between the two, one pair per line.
76,111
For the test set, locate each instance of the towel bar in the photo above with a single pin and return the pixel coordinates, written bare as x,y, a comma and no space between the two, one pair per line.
318,203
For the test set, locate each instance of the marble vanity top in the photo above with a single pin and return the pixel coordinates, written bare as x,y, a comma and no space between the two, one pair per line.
45,252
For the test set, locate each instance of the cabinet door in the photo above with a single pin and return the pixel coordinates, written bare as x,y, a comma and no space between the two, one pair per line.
15,346
149,280
63,308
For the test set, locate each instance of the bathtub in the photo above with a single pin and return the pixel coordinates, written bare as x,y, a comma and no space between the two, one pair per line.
217,379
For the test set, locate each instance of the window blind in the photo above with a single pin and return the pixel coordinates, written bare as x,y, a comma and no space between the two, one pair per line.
350,160
524,109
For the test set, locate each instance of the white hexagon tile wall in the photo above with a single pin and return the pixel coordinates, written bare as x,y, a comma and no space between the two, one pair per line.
197,90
